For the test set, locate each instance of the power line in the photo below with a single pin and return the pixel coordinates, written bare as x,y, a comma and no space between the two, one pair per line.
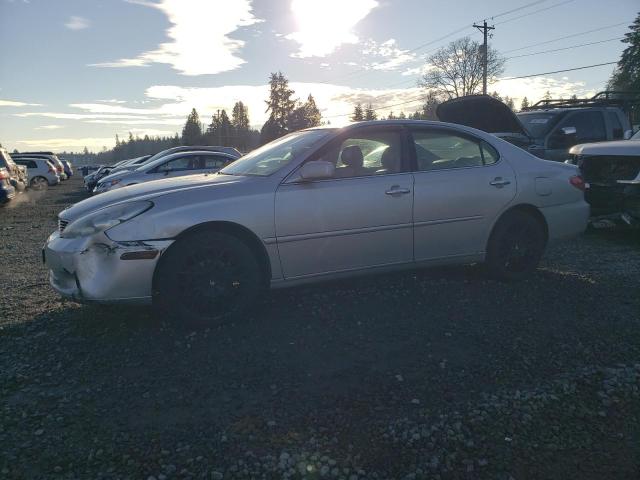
444,37
518,9
560,71
564,48
384,107
566,36
534,12
421,97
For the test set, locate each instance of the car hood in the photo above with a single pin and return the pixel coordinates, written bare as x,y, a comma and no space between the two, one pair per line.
146,191
113,176
482,112
617,147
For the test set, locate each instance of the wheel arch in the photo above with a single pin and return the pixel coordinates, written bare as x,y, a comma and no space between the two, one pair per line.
37,177
231,228
528,209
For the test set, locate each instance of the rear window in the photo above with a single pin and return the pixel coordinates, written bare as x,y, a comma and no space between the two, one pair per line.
538,123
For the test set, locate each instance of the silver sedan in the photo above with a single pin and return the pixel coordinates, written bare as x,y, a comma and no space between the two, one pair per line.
315,205
173,165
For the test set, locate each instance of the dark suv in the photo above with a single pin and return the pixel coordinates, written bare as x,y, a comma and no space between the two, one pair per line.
549,128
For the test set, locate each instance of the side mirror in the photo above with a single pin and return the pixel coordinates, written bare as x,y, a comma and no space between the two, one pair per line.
628,134
317,170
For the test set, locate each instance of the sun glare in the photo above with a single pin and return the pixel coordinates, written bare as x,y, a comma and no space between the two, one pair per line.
324,26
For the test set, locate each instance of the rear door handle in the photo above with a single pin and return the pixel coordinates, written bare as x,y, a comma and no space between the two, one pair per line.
396,190
499,182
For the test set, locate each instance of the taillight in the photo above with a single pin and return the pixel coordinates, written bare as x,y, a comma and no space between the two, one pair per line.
59,169
578,182
4,175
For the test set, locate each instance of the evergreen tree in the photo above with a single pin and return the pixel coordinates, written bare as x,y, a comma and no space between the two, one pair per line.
547,95
358,114
627,73
312,112
509,102
402,116
305,115
370,113
428,111
192,131
524,104
391,116
280,105
240,123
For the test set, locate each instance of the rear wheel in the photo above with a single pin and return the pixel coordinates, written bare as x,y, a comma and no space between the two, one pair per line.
206,278
516,246
39,183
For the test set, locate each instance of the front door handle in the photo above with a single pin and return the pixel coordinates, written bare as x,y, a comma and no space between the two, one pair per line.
499,182
396,190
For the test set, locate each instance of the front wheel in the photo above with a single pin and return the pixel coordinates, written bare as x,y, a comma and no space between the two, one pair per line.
206,278
39,183
516,246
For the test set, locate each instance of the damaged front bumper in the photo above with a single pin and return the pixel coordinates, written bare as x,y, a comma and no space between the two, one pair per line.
97,269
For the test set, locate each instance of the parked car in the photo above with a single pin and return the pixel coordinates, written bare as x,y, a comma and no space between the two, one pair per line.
52,157
41,172
549,128
23,177
173,165
305,208
17,175
186,148
7,191
68,168
612,173
91,180
131,162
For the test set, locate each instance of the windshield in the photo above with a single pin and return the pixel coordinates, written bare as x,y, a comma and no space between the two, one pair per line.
274,155
538,123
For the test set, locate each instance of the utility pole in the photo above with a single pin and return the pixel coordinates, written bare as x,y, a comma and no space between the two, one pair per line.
485,29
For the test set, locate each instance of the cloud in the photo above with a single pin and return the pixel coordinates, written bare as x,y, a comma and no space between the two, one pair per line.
75,116
58,144
325,25
13,103
386,55
535,88
199,36
49,127
112,100
77,23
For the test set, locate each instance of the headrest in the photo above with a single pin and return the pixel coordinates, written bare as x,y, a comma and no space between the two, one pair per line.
390,157
352,156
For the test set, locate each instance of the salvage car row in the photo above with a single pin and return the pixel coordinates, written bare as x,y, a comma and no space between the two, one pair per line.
36,170
170,163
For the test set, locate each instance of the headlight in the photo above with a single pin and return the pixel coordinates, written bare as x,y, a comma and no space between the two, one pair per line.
105,218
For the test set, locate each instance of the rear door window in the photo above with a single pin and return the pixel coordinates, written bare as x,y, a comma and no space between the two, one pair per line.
589,126
441,149
618,131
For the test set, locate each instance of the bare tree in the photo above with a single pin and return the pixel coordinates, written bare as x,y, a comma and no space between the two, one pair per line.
456,70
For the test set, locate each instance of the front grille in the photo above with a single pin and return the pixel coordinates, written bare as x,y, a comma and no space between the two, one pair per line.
62,224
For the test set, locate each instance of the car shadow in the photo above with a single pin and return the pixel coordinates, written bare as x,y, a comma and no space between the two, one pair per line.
440,336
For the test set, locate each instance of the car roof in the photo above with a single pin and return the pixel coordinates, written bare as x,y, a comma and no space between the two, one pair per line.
186,153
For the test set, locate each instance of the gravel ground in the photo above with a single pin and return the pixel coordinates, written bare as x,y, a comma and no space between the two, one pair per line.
430,374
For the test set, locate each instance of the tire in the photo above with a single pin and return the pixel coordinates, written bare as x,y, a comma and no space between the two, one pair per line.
206,278
515,246
39,183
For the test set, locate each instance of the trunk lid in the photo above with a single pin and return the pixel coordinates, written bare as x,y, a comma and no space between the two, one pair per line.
482,112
